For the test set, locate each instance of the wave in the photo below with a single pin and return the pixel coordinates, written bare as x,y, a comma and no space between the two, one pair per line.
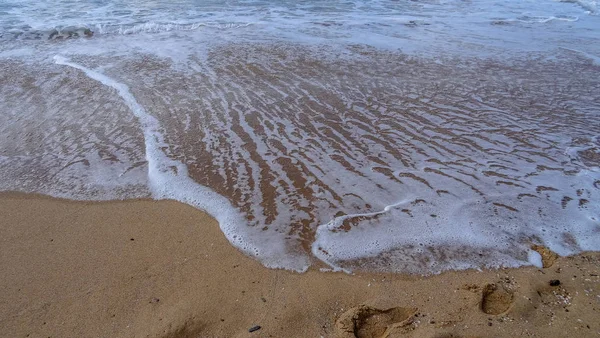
48,34
152,27
73,32
535,19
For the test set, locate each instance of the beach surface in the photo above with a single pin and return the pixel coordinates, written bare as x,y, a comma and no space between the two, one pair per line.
146,268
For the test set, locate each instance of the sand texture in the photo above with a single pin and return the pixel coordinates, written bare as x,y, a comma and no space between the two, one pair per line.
164,269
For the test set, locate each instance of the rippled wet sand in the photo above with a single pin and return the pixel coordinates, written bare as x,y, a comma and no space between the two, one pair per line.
360,157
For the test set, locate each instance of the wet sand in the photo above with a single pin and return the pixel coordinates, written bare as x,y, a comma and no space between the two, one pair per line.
164,269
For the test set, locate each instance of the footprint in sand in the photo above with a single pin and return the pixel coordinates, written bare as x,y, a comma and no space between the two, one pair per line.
496,299
368,322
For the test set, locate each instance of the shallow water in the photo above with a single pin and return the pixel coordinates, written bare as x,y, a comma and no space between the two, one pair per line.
383,135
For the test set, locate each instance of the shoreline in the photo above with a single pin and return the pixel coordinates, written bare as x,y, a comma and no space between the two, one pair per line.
145,268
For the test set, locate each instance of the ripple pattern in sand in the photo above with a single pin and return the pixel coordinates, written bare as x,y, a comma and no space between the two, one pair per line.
364,158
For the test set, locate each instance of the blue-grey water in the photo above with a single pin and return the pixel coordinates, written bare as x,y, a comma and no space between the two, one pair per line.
405,136
463,25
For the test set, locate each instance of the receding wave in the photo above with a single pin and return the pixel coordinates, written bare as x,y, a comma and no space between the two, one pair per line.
373,160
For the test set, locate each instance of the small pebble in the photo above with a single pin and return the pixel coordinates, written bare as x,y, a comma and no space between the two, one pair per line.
554,282
254,328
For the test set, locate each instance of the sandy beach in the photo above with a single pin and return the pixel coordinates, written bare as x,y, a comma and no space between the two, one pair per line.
243,168
164,269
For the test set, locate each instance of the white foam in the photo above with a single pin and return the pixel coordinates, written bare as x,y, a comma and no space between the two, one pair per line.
153,27
545,19
168,179
452,230
535,259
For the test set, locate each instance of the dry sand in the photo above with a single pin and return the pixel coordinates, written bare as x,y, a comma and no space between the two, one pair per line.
164,269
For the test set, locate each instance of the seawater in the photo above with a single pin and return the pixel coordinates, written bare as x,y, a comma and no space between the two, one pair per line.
399,136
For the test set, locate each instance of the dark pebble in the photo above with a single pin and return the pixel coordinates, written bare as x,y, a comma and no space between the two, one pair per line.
254,328
554,282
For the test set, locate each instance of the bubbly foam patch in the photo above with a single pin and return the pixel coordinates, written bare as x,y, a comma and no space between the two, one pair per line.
418,234
535,259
